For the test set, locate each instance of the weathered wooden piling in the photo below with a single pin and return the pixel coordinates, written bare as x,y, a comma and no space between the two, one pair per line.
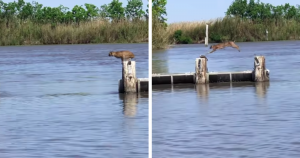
201,76
129,77
129,82
260,73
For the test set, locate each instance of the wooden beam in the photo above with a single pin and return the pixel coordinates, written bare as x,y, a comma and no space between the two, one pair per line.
260,73
201,75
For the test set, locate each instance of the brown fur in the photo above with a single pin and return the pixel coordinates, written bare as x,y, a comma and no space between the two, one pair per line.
124,55
223,45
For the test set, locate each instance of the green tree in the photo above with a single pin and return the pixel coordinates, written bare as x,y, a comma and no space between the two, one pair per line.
103,11
252,10
79,13
134,9
91,10
26,12
289,11
265,11
238,8
37,12
2,4
159,10
115,10
9,9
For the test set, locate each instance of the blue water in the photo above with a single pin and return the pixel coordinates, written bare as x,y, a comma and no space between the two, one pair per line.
237,120
63,101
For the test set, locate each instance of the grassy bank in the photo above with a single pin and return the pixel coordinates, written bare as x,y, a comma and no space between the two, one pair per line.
159,35
20,33
224,29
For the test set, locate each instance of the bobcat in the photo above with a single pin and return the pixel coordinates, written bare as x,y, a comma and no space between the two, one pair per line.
223,45
124,55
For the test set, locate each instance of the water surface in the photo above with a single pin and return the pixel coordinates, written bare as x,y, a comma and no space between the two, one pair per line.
63,101
233,120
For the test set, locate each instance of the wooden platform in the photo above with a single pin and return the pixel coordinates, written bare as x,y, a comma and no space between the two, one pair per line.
142,85
202,76
213,77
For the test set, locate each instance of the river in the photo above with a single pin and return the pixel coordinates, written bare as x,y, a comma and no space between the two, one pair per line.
236,120
63,101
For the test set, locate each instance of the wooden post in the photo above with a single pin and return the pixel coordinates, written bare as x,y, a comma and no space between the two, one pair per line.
267,34
129,77
201,75
260,73
206,38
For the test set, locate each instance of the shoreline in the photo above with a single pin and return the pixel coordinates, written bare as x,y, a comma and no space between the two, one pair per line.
68,44
174,45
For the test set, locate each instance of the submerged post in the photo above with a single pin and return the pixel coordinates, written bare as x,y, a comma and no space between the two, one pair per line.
260,73
201,75
129,77
206,38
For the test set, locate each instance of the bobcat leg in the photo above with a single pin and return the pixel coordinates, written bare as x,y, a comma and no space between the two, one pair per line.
236,47
211,51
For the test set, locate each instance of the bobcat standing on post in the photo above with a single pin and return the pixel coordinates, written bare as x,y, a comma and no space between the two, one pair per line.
223,45
124,55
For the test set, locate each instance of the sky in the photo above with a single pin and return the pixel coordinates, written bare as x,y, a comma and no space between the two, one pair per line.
196,10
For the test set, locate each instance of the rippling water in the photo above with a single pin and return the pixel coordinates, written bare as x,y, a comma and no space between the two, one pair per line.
234,120
63,101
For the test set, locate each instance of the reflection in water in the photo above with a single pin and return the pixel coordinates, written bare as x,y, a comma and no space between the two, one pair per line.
130,100
202,91
160,66
261,89
160,62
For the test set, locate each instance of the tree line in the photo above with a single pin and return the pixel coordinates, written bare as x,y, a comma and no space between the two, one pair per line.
259,11
250,18
38,13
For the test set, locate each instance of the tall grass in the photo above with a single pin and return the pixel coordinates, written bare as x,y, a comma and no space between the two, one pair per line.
20,33
159,35
224,29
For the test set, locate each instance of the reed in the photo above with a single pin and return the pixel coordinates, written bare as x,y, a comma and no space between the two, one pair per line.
228,28
159,35
97,31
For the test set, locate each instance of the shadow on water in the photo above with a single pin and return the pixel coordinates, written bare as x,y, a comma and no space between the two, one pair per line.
130,101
